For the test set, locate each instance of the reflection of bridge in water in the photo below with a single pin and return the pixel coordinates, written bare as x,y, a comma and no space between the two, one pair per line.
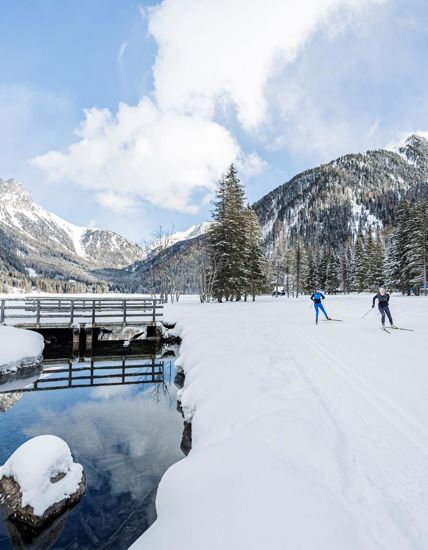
96,371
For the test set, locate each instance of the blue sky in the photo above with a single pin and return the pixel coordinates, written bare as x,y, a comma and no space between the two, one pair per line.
197,94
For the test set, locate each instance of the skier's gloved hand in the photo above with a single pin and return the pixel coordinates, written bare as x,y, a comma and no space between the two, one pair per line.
373,306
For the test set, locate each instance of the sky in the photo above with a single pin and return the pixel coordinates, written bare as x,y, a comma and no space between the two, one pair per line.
124,114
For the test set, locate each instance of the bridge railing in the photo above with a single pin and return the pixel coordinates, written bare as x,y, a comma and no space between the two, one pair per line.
63,311
69,375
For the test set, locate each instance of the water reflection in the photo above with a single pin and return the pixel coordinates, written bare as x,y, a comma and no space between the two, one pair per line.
123,429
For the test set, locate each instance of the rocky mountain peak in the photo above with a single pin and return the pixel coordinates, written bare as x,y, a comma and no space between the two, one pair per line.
13,191
415,150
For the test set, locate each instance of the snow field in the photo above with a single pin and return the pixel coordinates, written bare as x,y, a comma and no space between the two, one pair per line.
304,436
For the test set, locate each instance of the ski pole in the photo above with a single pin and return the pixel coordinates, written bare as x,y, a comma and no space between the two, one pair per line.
365,314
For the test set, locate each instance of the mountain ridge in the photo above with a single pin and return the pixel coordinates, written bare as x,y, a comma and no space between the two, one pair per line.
330,203
31,222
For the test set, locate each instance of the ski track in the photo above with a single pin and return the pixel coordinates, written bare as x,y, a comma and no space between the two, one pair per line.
397,416
330,418
403,514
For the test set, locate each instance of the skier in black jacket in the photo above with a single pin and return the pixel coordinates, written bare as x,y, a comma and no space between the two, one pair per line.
382,298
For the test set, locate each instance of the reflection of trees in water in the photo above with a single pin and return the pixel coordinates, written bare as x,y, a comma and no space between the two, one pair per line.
160,390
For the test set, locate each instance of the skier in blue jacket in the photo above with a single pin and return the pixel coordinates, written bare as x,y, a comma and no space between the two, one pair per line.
317,298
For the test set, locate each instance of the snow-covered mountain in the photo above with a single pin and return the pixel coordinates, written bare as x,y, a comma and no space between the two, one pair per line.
37,243
332,202
37,229
329,203
167,239
191,233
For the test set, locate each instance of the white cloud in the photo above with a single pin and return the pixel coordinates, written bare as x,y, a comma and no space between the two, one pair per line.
162,156
211,49
122,51
374,128
251,165
212,55
116,202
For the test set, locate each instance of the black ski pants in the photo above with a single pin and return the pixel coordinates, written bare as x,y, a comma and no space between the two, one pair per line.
385,310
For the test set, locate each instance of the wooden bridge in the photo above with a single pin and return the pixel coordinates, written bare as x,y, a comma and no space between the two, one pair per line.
68,312
98,371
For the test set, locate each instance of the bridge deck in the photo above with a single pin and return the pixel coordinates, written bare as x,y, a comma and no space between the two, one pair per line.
63,311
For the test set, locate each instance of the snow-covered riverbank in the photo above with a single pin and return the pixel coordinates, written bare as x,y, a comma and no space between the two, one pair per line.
304,436
19,348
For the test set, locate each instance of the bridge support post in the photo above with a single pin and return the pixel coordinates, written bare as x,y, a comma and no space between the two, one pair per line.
89,332
76,341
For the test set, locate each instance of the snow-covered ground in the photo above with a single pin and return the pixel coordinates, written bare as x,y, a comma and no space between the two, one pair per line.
304,437
19,348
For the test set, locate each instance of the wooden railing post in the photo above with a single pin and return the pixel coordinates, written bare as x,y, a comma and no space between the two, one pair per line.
154,310
72,312
37,312
2,308
124,313
93,313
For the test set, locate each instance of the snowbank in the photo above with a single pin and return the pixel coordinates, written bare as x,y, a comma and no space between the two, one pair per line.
44,469
19,348
304,436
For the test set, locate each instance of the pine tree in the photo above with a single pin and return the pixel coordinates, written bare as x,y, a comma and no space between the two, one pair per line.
398,272
423,221
416,246
332,272
377,262
297,266
227,239
360,264
309,281
256,262
322,263
346,266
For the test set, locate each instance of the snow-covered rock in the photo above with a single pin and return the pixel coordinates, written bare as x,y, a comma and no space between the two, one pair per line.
40,480
19,348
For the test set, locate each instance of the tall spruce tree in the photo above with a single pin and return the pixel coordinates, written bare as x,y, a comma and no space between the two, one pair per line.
377,262
309,281
332,274
346,268
297,267
256,262
398,272
227,239
322,263
360,263
416,246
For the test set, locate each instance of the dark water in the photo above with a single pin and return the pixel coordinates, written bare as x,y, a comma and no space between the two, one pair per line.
125,431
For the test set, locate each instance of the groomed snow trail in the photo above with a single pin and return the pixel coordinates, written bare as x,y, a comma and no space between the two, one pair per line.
304,437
